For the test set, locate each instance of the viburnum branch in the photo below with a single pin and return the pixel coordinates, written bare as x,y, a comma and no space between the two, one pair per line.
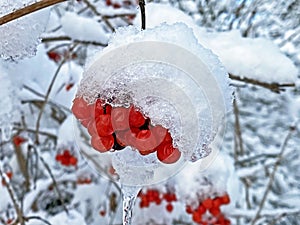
272,175
12,196
28,9
274,87
143,14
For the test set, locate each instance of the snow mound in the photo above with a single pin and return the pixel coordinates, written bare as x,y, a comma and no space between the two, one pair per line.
257,58
173,80
19,38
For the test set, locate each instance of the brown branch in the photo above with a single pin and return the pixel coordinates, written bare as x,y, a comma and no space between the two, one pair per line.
272,175
66,38
275,87
27,10
12,196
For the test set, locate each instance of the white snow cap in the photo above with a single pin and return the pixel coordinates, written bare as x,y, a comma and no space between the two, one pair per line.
256,58
19,38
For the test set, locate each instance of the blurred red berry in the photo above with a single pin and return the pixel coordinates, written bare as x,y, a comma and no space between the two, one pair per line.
169,207
18,140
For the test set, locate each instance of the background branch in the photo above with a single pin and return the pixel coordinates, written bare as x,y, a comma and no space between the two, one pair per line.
27,10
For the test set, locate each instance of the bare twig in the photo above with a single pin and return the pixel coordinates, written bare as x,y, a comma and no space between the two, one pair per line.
272,175
275,87
37,218
94,10
67,38
27,10
46,100
238,132
47,167
143,14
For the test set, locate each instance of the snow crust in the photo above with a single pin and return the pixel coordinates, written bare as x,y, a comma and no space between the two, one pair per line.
19,38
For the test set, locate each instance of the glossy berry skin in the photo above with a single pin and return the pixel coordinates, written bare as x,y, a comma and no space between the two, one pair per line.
80,109
169,207
168,154
120,118
136,118
102,144
207,203
225,199
145,141
104,125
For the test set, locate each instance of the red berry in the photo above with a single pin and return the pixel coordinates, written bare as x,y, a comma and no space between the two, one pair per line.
96,109
201,209
54,56
108,2
217,202
207,203
91,128
116,5
102,213
189,209
104,125
69,86
169,207
102,144
215,211
145,141
120,118
161,134
85,122
136,118
128,137
168,154
80,108
225,199
170,197
197,217
73,161
18,140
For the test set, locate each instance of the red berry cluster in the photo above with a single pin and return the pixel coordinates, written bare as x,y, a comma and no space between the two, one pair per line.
117,5
153,195
118,127
212,207
66,158
84,180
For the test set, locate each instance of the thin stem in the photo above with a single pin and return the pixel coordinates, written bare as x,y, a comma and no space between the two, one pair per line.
272,176
47,167
143,14
27,10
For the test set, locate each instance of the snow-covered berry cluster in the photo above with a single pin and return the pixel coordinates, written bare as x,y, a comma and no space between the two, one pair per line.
114,128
